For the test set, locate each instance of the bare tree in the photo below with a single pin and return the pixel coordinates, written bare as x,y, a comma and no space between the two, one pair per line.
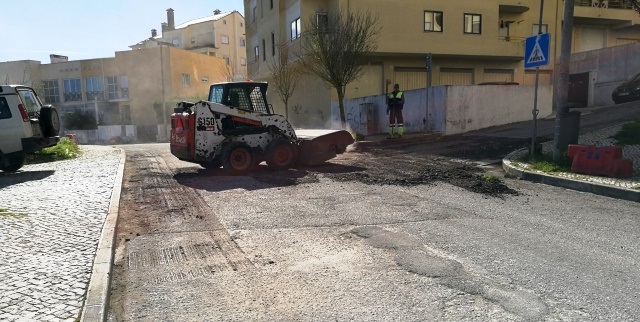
334,48
285,76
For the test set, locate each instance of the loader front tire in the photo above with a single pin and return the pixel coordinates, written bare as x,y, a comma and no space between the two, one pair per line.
237,158
281,154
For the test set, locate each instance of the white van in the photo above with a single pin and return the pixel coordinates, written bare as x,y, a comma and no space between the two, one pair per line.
26,126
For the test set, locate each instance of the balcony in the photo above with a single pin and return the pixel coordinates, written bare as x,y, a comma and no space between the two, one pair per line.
512,7
617,13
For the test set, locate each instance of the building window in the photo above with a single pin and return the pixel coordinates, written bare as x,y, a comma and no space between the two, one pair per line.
433,21
224,22
224,40
93,86
243,62
256,53
51,91
322,22
124,86
273,44
264,50
193,40
271,4
227,59
72,90
112,87
472,23
295,29
545,29
241,24
243,42
254,14
176,42
186,80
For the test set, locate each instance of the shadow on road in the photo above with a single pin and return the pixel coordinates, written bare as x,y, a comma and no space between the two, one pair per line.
9,179
217,180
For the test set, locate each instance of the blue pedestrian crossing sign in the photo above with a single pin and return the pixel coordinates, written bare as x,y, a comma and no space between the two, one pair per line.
536,51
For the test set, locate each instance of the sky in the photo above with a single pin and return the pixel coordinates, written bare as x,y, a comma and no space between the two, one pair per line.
84,29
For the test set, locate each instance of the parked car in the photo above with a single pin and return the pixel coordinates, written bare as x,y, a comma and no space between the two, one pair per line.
26,125
627,92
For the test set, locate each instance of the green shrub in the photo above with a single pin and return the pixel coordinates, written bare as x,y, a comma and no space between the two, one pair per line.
65,149
545,163
80,120
630,133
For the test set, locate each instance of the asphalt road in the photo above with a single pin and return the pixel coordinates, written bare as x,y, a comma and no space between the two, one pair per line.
330,243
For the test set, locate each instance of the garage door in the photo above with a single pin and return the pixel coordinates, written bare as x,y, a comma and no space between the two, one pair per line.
456,76
498,75
544,79
410,78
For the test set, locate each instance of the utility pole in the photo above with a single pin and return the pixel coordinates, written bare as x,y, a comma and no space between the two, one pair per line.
562,83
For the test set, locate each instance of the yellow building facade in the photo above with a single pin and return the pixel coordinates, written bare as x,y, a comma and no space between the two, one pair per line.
220,35
123,89
471,42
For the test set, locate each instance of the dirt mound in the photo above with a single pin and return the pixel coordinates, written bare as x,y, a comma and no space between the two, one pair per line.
467,176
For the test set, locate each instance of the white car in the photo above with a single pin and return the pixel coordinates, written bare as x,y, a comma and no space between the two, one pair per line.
26,126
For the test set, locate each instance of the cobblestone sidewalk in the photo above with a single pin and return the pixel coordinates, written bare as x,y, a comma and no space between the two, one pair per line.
51,215
598,138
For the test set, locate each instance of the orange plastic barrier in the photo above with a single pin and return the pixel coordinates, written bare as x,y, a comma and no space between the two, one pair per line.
606,161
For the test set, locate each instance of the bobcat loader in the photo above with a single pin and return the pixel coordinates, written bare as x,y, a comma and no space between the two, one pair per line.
236,129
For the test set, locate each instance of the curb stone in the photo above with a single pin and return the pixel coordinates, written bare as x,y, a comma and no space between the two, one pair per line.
579,185
96,304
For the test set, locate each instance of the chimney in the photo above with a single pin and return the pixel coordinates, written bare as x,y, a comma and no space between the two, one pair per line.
154,33
170,20
164,27
217,12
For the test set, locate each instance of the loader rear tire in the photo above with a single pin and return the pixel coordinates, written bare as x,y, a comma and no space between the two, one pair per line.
237,158
281,154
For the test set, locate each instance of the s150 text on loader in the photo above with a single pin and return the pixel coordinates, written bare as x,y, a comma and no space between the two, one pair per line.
236,129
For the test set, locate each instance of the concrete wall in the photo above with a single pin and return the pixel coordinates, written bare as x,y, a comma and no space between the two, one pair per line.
452,109
608,68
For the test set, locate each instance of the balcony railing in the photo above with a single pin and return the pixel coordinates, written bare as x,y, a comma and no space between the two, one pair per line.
608,4
95,96
73,97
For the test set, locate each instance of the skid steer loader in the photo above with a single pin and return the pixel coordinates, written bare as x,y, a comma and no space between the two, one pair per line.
236,129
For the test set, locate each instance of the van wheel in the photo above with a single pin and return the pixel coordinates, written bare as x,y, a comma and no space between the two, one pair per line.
281,154
13,163
237,158
49,121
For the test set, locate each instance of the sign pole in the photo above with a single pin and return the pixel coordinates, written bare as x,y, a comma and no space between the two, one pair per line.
535,111
426,115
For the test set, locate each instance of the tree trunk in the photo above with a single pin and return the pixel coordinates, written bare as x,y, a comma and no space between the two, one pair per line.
286,110
343,119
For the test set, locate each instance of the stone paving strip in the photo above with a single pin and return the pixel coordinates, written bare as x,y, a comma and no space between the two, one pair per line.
621,188
604,138
51,215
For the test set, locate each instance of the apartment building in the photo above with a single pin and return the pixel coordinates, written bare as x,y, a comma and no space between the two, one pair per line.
123,89
471,41
219,35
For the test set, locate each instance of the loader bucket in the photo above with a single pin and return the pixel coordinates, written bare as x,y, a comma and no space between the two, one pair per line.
317,146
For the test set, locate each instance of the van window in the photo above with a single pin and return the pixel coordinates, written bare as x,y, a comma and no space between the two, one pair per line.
5,111
30,101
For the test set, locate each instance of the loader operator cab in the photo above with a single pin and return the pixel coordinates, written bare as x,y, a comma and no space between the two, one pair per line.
250,96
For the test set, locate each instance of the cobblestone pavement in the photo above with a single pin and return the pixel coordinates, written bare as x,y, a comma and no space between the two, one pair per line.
51,215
